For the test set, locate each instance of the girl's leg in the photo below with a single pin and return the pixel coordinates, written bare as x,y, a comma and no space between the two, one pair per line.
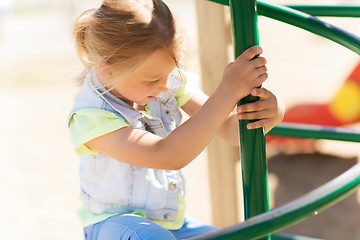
129,227
192,227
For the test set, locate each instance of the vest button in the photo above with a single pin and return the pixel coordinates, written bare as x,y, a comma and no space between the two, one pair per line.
167,111
173,186
167,217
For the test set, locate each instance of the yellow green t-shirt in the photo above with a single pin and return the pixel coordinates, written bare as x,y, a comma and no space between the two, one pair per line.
90,123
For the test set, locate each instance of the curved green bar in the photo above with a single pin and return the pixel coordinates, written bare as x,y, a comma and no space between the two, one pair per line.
352,11
317,10
284,236
222,2
315,132
306,22
311,24
293,212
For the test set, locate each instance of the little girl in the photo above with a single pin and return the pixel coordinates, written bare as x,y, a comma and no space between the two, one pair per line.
125,123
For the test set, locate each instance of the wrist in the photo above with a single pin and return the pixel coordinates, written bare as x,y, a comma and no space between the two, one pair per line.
230,95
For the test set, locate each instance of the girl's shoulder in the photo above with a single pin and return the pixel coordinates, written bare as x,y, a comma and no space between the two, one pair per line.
89,123
189,82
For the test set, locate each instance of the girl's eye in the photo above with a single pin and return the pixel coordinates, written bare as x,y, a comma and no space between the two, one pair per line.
155,81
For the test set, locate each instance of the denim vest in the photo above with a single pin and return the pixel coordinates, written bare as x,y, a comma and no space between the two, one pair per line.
110,186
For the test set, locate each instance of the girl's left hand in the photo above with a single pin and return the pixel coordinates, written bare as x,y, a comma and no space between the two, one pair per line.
268,110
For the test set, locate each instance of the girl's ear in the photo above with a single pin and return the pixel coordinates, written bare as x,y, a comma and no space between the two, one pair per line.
105,69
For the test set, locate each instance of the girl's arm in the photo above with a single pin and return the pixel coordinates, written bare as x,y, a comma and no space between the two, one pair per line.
185,143
268,110
142,148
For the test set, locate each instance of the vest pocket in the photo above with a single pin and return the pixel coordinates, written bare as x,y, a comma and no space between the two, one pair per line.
171,116
149,189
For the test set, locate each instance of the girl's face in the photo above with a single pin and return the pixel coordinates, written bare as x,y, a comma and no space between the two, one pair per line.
150,79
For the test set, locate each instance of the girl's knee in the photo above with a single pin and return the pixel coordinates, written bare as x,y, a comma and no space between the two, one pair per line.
132,227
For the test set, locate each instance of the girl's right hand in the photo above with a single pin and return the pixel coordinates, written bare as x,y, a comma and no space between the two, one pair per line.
246,73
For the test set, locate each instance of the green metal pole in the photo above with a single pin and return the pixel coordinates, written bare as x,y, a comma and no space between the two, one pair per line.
352,11
315,132
252,142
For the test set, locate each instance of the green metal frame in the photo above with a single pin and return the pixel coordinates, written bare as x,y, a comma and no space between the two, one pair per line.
316,132
306,22
293,212
260,222
351,11
284,236
311,24
252,142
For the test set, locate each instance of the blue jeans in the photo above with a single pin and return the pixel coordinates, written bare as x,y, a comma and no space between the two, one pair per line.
134,227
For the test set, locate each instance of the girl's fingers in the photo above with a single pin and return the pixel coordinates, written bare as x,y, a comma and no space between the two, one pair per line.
252,107
261,70
261,79
264,114
259,105
259,62
250,53
261,93
258,124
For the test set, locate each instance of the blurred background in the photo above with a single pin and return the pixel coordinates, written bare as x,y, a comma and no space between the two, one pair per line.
38,66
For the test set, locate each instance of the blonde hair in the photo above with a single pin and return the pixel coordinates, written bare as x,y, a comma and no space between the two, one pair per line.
123,32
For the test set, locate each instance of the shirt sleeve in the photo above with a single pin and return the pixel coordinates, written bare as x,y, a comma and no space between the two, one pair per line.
90,123
187,90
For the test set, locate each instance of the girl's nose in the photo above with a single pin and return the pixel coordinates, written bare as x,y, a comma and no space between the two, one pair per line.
165,86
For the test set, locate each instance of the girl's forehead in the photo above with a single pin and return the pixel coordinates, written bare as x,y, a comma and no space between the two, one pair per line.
157,63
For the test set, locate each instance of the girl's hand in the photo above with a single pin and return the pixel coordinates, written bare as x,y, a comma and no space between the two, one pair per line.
268,110
246,73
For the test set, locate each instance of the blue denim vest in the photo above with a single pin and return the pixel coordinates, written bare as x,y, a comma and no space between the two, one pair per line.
110,186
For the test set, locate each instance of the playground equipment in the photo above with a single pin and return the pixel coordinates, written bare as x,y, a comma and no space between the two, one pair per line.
260,222
343,109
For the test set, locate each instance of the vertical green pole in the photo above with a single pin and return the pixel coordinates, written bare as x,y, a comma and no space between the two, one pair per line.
252,142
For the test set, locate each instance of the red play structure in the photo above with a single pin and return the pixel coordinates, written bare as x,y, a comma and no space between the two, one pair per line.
343,109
